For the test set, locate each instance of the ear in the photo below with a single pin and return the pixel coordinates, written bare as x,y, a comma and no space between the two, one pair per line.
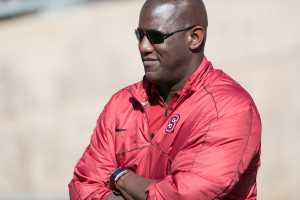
196,37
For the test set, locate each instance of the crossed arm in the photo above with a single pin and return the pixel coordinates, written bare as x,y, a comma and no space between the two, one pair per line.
198,171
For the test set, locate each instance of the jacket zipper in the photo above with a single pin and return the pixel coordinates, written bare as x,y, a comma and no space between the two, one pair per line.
187,95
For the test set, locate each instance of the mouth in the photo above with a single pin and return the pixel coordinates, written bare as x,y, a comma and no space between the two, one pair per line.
149,61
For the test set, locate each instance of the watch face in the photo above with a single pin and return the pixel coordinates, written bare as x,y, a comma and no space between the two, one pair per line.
115,173
115,176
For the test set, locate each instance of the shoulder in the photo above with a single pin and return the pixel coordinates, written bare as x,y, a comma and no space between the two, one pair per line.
126,93
123,99
228,95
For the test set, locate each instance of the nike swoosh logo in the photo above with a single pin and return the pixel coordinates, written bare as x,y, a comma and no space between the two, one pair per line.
119,130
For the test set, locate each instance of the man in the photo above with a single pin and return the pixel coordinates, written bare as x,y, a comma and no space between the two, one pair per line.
187,131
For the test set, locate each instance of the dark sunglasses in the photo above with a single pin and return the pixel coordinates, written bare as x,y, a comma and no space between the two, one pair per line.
156,37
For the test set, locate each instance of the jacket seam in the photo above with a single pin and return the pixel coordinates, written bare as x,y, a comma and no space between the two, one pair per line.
76,191
131,150
213,100
200,148
241,156
159,148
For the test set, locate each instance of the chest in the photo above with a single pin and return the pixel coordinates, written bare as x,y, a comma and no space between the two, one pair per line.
149,156
135,148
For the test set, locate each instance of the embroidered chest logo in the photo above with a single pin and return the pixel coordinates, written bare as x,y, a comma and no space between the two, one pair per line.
172,124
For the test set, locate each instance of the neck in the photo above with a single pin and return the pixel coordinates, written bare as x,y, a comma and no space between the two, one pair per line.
167,91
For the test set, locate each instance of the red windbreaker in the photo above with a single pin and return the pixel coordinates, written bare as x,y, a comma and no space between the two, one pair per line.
216,153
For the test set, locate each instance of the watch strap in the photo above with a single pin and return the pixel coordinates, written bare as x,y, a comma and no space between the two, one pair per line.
115,176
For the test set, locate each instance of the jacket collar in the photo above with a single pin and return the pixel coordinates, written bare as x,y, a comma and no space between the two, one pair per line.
145,90
198,77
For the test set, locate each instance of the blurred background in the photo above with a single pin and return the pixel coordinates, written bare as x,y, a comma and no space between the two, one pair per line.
61,61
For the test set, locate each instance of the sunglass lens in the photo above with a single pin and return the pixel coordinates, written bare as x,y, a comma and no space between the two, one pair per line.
155,37
139,34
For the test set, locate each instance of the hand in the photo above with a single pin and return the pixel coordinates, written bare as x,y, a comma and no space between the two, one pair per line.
113,196
133,186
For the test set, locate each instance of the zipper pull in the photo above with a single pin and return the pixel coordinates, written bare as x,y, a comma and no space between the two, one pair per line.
152,136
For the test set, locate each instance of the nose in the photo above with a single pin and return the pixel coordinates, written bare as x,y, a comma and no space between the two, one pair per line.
145,46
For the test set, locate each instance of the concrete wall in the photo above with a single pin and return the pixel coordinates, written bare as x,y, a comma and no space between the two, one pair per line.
58,69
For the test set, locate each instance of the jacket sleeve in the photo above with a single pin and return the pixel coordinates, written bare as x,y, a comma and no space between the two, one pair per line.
213,158
92,171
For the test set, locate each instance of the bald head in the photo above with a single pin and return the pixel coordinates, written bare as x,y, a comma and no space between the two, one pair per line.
177,14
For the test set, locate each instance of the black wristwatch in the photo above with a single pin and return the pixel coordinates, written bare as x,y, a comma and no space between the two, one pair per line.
115,176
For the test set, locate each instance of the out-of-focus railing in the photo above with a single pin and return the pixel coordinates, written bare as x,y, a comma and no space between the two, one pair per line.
28,197
12,8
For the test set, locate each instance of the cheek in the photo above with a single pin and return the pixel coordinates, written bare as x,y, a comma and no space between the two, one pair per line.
171,53
175,50
172,59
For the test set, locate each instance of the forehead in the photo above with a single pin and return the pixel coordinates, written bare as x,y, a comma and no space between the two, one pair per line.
158,17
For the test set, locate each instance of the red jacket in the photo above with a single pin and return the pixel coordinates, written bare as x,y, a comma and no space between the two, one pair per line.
216,156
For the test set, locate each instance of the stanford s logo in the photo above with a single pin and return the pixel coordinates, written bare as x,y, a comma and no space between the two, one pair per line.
172,124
